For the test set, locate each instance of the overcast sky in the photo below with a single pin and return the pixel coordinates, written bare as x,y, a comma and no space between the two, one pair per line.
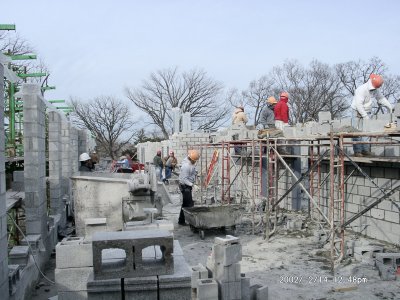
98,47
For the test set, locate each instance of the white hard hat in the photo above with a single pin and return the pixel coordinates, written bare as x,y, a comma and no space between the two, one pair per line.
84,157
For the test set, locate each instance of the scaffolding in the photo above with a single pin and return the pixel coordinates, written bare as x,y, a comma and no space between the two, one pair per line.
248,172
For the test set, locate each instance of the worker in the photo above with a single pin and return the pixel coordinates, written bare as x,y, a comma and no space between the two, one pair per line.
187,177
281,111
86,163
170,164
267,118
361,110
239,116
158,163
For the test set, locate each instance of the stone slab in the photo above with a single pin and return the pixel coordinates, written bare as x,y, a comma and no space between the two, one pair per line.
74,255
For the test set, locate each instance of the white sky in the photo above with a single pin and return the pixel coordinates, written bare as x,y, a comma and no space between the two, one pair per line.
98,47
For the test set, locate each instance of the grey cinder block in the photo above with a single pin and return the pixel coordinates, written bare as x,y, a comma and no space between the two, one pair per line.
207,289
245,288
72,279
74,255
141,288
19,255
198,272
227,254
133,243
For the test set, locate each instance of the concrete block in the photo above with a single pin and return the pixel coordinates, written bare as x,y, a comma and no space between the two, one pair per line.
392,216
230,290
253,291
367,253
72,279
245,287
207,289
133,243
229,273
19,255
178,284
74,255
74,295
198,272
227,254
262,293
141,288
228,240
104,289
377,213
13,278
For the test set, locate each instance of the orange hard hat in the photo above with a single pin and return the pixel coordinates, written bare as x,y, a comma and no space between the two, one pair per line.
194,155
376,80
272,100
285,94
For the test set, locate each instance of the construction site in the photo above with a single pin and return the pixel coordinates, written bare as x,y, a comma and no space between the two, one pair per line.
290,213
314,223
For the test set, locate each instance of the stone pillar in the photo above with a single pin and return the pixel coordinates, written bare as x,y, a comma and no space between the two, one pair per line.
186,122
3,209
176,117
74,156
65,159
34,160
55,165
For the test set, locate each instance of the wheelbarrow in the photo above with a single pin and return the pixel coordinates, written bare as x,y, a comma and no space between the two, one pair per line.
201,218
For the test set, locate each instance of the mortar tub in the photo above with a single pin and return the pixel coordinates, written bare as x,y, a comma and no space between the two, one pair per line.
210,217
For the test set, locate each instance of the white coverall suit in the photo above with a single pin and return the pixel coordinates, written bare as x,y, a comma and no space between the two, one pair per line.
361,110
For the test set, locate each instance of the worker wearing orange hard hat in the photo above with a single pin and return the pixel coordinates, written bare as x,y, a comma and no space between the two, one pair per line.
361,109
187,177
267,117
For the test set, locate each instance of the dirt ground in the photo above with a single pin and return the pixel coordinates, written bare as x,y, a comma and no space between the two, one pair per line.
291,263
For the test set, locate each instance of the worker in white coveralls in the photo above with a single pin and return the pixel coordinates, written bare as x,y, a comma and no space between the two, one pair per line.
187,177
361,110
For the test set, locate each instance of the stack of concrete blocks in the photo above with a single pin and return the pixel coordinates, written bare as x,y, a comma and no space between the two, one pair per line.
18,181
224,267
366,253
3,209
141,264
388,265
203,288
34,160
66,162
55,163
74,264
294,224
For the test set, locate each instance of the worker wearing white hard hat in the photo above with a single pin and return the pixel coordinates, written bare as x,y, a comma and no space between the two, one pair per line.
86,163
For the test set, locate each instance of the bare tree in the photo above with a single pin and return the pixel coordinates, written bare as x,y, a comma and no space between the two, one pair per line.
191,91
311,90
256,95
108,119
352,74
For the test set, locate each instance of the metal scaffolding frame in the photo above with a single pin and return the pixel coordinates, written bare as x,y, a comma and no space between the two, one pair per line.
249,170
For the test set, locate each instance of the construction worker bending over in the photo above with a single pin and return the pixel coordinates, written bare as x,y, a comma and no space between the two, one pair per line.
170,164
267,118
86,163
187,177
239,116
361,110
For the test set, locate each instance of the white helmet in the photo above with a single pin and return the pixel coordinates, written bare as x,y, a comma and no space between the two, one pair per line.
84,157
